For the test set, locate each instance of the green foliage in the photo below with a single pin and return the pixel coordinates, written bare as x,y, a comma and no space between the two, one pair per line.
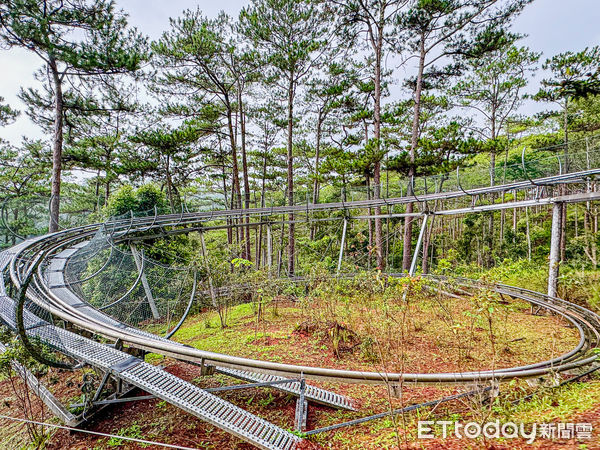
15,351
133,431
289,34
148,197
7,114
103,45
142,200
240,262
575,75
494,85
121,202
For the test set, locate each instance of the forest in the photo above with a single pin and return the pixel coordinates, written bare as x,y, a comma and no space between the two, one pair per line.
283,105
310,182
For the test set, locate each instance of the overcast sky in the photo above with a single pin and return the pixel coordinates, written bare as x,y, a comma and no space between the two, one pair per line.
552,26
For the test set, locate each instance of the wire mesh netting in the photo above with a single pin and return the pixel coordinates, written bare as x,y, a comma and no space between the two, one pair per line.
577,156
25,216
119,279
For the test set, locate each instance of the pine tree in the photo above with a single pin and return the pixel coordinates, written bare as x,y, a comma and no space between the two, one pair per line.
372,24
291,38
447,32
75,40
493,89
574,75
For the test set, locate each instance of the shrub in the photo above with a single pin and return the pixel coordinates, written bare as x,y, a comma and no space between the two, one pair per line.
141,200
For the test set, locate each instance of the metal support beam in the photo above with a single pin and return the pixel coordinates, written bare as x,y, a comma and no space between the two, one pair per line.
433,403
301,408
236,387
413,264
112,401
43,393
149,296
101,386
555,248
342,245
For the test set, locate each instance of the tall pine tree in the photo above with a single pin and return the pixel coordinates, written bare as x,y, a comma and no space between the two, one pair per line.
75,39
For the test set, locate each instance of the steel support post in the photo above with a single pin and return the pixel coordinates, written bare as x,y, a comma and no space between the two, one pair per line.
213,297
301,408
342,245
413,264
555,248
270,247
144,280
101,386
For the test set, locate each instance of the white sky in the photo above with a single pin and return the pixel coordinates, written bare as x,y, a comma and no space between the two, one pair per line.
553,26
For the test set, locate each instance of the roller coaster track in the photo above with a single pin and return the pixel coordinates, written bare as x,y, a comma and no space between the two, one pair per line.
35,267
152,379
198,217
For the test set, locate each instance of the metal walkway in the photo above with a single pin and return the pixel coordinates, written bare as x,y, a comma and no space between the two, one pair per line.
312,393
152,379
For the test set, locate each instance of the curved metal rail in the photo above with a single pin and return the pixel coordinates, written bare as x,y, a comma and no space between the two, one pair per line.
47,247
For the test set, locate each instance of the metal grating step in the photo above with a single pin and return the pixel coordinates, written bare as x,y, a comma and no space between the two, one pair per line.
312,393
212,409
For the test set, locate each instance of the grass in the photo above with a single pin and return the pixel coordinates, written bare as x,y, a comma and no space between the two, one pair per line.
360,332
133,431
561,404
277,338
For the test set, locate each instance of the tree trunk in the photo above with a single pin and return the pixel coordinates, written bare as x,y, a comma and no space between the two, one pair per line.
97,192
377,168
236,193
237,197
262,203
169,184
224,177
315,196
107,181
290,174
57,146
370,222
248,255
407,250
563,222
106,191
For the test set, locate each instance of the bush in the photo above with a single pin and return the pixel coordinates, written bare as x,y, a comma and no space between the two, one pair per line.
141,200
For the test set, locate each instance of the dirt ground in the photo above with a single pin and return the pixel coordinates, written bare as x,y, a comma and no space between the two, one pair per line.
278,337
